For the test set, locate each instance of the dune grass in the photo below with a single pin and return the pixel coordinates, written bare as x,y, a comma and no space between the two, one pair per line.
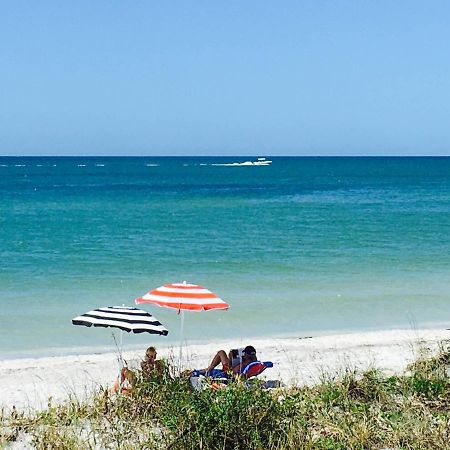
352,411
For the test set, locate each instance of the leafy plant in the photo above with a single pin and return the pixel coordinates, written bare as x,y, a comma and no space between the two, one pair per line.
352,411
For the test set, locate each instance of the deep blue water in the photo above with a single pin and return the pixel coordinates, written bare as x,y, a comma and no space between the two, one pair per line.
306,245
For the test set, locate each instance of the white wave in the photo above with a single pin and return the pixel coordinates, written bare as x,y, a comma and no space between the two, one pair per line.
235,164
81,165
20,165
99,165
152,165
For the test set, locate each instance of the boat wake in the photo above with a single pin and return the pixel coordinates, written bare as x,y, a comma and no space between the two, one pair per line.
258,162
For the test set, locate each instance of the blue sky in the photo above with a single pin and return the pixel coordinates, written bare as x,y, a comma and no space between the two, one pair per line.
225,78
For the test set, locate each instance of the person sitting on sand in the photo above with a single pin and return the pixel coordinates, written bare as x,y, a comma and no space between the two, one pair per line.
232,362
127,378
150,367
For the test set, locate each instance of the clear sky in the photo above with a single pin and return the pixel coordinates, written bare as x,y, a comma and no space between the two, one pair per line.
249,77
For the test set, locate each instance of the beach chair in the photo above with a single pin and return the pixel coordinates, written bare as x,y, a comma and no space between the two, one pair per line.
200,380
252,370
256,368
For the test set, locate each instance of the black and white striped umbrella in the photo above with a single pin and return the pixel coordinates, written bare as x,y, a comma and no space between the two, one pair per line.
123,317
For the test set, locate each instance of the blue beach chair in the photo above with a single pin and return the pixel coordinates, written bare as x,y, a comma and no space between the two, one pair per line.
254,369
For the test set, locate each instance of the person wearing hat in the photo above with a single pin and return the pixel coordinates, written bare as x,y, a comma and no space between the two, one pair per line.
236,360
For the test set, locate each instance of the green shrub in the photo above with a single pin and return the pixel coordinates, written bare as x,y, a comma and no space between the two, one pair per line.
426,386
353,411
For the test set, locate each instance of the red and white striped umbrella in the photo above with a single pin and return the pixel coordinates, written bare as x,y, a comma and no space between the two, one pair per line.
183,296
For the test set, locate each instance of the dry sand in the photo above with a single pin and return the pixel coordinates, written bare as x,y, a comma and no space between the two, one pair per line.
29,383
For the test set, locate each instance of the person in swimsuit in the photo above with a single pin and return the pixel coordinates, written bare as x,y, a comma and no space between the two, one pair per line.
150,367
234,361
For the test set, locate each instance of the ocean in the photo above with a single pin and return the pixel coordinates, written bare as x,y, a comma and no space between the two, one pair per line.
302,247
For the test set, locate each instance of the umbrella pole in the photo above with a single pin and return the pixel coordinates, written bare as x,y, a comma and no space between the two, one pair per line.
121,346
121,343
181,339
119,357
121,362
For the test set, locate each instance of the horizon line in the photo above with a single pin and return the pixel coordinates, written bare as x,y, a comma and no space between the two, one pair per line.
224,156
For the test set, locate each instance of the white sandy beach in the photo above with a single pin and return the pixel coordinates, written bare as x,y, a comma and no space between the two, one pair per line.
29,383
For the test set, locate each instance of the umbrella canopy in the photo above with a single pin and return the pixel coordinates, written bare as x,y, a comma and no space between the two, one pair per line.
127,319
183,296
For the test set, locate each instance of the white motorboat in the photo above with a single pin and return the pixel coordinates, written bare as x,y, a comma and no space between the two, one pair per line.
262,162
258,162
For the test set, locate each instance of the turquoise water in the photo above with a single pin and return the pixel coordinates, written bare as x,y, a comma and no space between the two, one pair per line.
306,245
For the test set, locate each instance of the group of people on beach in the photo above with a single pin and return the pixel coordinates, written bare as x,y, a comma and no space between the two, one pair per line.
233,363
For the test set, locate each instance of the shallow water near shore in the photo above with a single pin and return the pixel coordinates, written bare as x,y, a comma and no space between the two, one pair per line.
306,245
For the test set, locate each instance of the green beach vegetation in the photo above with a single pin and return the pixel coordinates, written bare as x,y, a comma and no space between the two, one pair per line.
348,411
